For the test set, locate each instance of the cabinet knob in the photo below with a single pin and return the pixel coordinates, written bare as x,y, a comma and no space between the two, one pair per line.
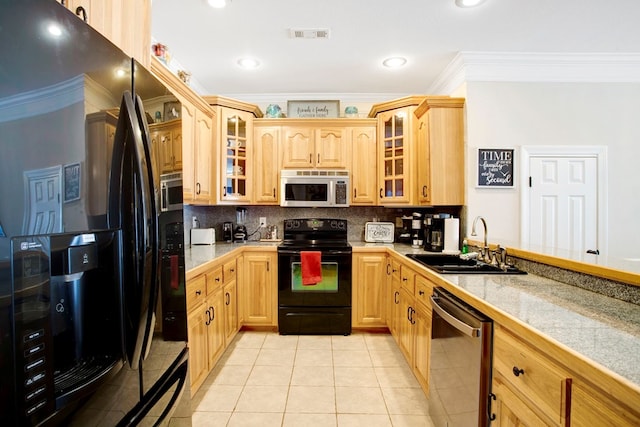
517,371
217,279
420,292
198,292
381,196
197,188
424,191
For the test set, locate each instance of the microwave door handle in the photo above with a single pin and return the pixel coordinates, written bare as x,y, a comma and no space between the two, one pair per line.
332,193
164,194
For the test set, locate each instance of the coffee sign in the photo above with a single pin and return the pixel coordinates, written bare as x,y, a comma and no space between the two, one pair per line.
495,167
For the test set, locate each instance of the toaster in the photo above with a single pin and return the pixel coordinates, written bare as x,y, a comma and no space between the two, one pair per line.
203,236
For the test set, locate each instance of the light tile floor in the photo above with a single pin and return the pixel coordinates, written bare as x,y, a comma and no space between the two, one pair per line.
265,379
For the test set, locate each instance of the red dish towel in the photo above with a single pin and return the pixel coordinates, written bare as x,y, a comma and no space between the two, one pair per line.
311,266
175,280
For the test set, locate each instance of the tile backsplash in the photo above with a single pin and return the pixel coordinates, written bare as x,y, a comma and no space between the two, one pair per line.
356,216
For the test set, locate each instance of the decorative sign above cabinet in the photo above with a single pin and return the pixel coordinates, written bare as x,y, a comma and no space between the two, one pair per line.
495,167
313,109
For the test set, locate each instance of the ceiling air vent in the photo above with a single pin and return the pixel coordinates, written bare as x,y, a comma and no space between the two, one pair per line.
309,33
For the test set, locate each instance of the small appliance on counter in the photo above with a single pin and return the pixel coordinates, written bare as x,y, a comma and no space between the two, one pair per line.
203,236
240,233
441,233
227,232
417,233
403,234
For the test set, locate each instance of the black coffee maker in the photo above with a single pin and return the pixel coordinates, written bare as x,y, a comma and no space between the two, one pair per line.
227,231
434,232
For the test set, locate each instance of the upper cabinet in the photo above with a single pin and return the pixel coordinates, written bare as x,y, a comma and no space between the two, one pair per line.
126,23
413,148
198,154
167,140
313,144
440,151
266,165
234,142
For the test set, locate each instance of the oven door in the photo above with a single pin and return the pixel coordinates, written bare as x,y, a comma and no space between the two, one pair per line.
333,291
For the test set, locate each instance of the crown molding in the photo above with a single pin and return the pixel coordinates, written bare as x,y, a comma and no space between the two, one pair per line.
275,98
537,67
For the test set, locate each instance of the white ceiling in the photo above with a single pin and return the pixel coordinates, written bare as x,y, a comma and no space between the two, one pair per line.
429,33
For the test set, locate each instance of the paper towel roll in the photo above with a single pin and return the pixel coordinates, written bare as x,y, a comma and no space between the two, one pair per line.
451,235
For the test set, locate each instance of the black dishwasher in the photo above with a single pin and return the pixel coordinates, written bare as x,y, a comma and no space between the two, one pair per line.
460,371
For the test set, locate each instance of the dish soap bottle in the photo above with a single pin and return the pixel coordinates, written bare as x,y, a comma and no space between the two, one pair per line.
465,246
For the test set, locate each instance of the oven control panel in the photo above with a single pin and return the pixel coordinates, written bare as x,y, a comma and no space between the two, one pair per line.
315,224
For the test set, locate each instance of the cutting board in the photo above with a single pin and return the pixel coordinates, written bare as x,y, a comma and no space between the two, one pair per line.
379,232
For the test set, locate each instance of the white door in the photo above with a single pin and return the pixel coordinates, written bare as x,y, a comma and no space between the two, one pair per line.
563,202
43,213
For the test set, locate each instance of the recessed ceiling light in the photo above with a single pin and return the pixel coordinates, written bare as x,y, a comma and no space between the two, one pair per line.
394,62
218,4
248,63
469,3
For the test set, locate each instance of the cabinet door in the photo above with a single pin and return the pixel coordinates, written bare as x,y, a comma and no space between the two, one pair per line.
203,158
368,289
266,167
188,150
330,148
394,135
363,166
197,342
235,139
440,152
297,148
260,290
176,148
164,141
592,408
422,345
395,309
230,311
406,324
215,327
510,410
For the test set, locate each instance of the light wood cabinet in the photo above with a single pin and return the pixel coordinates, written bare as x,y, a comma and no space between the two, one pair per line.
260,289
542,386
368,290
394,312
266,165
509,409
167,139
440,151
591,407
420,151
230,295
126,24
198,129
363,166
314,146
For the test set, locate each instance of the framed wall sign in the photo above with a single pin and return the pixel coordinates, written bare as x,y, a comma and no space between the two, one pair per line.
495,167
313,109
71,177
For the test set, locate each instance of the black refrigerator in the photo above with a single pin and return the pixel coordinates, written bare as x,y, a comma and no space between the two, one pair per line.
80,230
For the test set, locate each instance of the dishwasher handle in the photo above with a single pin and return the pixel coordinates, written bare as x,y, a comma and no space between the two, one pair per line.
454,321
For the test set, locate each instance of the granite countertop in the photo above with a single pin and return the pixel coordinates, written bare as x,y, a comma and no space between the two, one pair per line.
601,328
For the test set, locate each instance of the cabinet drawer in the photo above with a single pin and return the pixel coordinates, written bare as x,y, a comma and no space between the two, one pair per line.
407,279
196,289
229,271
214,280
424,289
532,375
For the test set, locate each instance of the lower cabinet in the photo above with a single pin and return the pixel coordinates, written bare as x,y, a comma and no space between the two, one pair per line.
212,319
593,408
410,318
368,289
529,385
260,289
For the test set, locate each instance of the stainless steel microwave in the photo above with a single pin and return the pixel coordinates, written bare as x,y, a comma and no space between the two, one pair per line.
314,188
171,191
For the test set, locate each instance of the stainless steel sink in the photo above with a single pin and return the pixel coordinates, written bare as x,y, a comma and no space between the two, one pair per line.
453,264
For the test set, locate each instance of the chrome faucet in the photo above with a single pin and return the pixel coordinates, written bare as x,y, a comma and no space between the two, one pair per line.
486,255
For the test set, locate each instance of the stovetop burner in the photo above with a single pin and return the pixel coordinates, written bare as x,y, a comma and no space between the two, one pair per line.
319,233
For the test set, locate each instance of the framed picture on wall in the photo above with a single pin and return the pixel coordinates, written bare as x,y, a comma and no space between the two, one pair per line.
71,180
495,167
